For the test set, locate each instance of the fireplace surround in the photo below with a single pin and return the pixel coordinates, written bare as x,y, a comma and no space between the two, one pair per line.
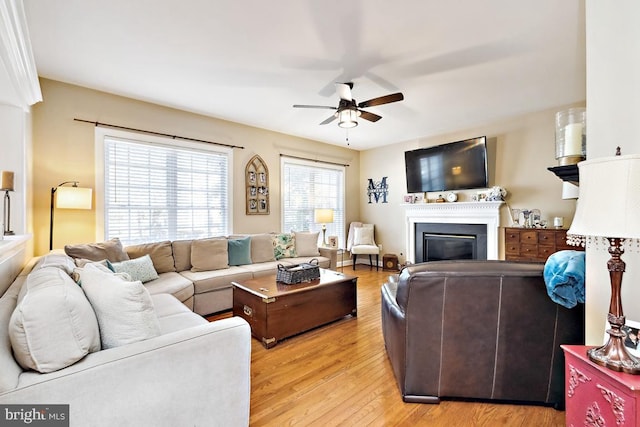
463,213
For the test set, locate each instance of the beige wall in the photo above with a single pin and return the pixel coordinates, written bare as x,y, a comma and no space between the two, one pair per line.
63,150
524,148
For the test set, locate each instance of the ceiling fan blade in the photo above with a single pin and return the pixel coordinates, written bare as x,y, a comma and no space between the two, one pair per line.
329,119
394,97
324,107
369,116
344,90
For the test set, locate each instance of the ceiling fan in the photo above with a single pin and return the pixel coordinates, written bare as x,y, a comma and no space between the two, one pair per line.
348,110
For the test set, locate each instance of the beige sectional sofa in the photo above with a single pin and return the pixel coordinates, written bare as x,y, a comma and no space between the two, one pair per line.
122,352
177,370
209,291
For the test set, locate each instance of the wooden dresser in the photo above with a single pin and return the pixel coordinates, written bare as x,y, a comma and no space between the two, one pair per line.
534,244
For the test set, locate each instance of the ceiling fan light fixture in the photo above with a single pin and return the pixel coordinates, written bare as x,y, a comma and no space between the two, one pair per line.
347,118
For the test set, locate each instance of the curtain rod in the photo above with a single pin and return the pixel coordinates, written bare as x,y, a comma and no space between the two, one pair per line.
313,160
157,133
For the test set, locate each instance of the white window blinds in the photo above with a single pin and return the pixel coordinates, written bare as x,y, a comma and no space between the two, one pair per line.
307,186
156,192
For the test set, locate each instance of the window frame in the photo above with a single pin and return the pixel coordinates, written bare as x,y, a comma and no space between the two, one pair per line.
340,229
100,170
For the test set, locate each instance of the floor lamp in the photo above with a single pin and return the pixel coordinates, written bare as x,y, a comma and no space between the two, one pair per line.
324,217
6,185
73,197
607,215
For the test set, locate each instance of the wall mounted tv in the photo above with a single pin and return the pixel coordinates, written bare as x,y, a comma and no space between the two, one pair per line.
455,166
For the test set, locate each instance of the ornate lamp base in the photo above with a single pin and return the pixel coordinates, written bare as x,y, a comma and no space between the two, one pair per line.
614,355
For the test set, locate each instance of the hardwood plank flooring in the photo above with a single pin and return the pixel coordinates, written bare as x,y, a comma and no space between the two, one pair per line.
339,375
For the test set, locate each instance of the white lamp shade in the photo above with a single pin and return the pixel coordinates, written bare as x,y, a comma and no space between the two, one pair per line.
609,200
323,216
348,118
73,198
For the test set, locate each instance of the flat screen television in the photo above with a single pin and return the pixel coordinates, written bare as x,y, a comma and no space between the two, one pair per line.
458,165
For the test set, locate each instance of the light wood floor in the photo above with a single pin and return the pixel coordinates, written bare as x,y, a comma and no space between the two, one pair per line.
339,375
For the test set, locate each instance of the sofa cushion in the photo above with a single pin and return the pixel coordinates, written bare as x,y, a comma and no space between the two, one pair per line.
239,251
171,283
284,246
53,325
124,309
209,254
306,243
56,259
262,248
161,254
182,254
111,250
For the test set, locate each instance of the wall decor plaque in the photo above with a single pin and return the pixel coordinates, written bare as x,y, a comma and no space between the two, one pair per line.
257,183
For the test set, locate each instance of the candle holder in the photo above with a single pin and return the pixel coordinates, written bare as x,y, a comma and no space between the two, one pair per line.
571,141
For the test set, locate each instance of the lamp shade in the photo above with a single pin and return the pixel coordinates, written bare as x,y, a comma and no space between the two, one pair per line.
6,181
323,216
73,198
609,200
348,118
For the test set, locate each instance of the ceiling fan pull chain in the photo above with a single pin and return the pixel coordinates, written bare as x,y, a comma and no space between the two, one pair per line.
347,135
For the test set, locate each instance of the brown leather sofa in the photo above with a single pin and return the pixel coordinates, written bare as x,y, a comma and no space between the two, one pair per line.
477,330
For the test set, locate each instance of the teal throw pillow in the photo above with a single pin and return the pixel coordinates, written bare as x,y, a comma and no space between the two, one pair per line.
239,251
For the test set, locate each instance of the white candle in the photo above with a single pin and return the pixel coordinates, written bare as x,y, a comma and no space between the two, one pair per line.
573,139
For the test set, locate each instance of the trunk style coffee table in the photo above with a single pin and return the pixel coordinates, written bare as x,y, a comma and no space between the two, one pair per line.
276,310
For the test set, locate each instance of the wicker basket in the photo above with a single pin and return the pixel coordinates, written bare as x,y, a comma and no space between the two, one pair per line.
292,274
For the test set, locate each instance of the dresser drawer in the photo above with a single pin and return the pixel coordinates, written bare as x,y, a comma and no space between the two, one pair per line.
545,250
529,236
512,237
547,238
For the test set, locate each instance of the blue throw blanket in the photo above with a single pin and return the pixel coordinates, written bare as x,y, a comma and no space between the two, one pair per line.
564,277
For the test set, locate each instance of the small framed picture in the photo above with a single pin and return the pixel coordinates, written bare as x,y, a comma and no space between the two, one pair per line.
408,198
632,340
332,241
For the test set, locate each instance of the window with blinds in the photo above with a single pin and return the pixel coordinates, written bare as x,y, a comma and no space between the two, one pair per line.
155,192
310,185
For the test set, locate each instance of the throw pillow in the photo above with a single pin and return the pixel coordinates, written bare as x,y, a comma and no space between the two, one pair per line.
262,248
363,236
284,246
306,244
182,254
56,259
209,254
138,269
124,309
161,254
239,251
111,250
53,325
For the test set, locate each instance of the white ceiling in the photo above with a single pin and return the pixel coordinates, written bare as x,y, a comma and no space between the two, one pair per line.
459,63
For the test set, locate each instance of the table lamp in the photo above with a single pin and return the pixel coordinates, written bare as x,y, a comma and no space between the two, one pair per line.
6,185
607,213
324,217
73,197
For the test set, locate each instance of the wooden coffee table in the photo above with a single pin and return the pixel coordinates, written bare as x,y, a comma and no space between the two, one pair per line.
277,311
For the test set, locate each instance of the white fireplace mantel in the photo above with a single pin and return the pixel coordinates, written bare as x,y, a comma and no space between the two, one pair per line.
454,213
